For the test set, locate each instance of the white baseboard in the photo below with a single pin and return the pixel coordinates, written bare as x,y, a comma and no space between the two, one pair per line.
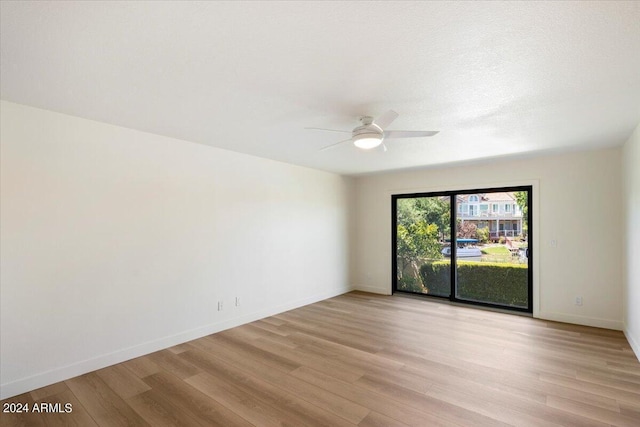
581,320
372,290
633,342
79,368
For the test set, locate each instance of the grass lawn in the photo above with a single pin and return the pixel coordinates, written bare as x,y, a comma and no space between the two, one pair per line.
496,250
499,253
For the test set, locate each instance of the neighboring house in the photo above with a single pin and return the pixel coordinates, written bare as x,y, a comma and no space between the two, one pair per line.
497,211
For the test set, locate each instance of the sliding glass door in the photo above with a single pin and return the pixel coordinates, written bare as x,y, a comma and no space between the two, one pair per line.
486,260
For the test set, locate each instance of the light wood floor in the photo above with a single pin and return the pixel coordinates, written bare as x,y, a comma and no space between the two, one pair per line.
366,360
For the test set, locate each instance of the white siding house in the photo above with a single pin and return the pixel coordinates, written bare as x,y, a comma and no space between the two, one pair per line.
499,212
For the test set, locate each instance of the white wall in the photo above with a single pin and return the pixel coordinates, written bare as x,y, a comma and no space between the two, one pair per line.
631,249
576,201
116,243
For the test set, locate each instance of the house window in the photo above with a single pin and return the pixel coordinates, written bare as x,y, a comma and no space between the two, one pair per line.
507,208
473,198
494,207
484,208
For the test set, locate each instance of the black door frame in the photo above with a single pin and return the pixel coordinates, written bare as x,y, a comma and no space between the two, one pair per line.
454,212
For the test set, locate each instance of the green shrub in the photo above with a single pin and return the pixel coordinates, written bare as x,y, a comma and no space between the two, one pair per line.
497,283
482,234
502,239
436,277
410,284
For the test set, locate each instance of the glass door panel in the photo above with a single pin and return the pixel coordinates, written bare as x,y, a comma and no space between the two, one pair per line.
493,267
423,225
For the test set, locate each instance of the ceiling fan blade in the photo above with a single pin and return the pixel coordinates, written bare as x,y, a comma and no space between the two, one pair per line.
408,133
386,119
333,145
330,130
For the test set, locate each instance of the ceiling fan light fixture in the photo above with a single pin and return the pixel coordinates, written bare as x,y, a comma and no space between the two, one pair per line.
372,133
367,141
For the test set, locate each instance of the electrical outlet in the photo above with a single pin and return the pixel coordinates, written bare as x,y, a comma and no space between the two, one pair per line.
578,300
237,301
219,305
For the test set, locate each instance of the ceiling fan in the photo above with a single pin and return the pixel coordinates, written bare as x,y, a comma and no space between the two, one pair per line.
372,133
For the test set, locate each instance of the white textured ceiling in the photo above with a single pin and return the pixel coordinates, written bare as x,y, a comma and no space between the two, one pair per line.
496,79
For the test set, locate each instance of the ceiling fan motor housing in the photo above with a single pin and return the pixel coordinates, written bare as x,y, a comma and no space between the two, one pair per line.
370,130
367,136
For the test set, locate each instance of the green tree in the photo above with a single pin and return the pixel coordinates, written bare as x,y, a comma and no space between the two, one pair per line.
421,224
522,199
436,211
416,243
482,234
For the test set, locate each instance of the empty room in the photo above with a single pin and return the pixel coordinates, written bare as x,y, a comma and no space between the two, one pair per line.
336,213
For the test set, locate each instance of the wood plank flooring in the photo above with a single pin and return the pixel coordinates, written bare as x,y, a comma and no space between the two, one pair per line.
364,360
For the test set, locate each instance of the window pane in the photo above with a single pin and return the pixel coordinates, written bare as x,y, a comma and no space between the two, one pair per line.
422,227
492,266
